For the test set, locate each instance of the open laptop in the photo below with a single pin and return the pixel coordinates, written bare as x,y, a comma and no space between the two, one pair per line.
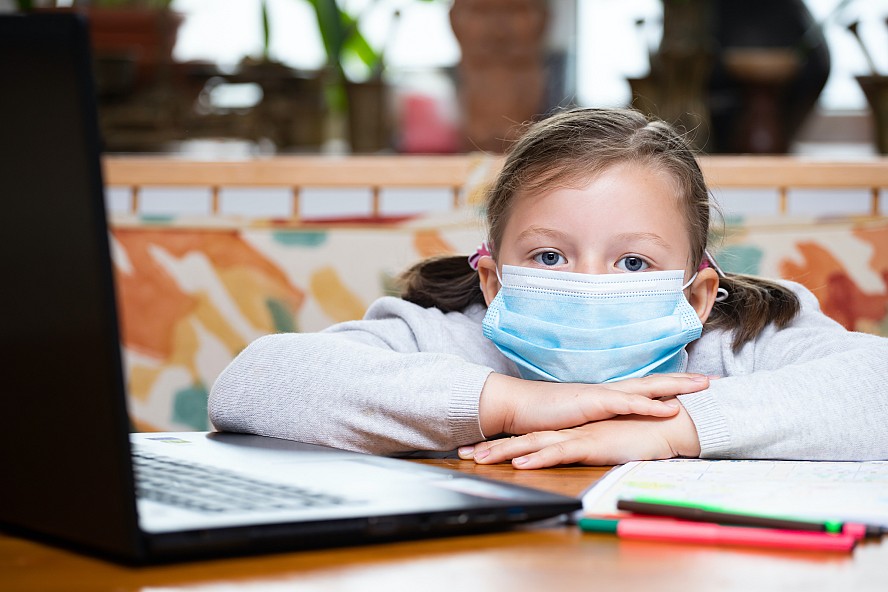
71,471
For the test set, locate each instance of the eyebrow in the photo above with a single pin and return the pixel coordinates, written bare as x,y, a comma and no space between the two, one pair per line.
644,236
535,231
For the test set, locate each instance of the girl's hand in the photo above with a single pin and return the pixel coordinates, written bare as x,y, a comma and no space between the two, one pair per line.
610,442
515,406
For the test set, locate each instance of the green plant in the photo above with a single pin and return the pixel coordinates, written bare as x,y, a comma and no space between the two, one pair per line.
342,41
344,44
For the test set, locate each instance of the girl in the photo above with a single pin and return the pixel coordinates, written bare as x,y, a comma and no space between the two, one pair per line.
570,332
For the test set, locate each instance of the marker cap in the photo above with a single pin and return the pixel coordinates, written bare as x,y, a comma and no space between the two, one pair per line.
598,525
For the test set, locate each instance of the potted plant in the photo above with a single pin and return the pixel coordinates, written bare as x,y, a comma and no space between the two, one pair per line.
358,109
875,87
139,32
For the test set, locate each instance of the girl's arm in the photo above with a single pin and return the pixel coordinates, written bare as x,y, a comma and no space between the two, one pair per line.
614,441
386,385
833,407
810,391
515,406
406,379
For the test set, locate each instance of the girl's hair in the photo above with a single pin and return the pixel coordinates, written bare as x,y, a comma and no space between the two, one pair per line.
571,147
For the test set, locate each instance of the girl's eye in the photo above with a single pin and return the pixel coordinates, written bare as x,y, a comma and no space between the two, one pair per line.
632,263
549,258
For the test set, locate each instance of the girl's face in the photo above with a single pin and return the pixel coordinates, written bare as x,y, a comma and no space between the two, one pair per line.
624,220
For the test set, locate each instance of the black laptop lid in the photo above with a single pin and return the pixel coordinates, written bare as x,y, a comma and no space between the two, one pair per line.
64,449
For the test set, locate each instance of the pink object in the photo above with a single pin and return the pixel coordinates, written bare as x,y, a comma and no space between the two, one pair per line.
482,251
713,534
424,129
709,261
858,531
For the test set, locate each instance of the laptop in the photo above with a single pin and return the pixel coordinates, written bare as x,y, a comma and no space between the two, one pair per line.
72,472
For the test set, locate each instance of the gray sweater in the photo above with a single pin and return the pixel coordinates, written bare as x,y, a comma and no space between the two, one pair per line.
407,378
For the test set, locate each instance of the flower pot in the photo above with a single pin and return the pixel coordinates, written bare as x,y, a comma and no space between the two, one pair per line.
501,76
145,35
876,90
369,116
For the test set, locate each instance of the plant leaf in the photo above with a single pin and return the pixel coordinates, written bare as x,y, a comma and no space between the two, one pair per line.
331,29
356,44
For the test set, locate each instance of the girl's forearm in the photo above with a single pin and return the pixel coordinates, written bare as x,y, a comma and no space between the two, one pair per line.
515,406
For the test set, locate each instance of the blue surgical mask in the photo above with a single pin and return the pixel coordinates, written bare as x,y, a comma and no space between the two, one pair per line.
573,327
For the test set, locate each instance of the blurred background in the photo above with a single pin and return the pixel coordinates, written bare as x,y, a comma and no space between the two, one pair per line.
236,78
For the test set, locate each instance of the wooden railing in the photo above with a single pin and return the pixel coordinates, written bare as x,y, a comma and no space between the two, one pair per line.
459,173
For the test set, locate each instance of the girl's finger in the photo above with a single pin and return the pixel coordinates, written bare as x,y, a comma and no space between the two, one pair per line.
577,450
629,403
663,385
497,451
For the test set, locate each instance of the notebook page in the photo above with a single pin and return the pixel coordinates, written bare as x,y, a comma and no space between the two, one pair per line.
813,490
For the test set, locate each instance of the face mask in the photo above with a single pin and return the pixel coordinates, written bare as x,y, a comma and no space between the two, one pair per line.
573,327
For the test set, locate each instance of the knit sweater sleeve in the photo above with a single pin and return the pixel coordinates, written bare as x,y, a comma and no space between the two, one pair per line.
810,391
403,379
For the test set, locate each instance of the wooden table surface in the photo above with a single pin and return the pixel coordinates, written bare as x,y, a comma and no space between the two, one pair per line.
536,558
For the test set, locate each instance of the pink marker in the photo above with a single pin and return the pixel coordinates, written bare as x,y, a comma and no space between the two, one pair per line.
655,529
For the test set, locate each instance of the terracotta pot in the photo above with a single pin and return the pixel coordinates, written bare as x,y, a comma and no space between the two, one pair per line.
501,75
146,36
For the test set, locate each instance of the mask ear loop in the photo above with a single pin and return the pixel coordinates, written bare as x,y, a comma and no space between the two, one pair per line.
709,261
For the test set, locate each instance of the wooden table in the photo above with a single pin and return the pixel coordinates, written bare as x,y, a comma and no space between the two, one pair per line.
547,558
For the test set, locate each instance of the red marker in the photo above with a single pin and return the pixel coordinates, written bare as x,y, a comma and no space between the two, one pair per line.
654,529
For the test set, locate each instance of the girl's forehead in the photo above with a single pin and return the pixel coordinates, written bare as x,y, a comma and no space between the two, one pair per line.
622,182
580,174
620,200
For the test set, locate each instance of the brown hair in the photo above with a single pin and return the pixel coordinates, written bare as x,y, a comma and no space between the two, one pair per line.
575,145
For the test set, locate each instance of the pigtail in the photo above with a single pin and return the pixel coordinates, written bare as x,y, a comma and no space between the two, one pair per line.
750,305
446,283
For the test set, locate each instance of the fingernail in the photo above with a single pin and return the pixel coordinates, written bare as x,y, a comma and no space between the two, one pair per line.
699,378
672,402
713,377
521,460
481,454
465,451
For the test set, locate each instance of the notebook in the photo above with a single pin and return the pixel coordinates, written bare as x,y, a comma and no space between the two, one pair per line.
71,469
804,490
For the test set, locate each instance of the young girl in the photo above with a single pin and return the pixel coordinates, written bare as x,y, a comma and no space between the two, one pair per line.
570,332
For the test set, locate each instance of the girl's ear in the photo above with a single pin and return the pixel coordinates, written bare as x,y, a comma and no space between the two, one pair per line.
489,282
703,292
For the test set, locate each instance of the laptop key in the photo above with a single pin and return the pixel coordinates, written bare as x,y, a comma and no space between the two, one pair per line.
211,490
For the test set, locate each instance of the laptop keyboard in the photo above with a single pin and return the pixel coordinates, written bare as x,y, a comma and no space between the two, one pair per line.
212,490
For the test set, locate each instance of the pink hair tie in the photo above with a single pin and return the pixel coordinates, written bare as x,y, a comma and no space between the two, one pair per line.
709,261
475,258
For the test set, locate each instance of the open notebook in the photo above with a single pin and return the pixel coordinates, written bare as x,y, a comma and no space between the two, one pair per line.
805,490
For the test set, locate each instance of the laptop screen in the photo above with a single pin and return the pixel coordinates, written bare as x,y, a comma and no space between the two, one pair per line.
65,427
